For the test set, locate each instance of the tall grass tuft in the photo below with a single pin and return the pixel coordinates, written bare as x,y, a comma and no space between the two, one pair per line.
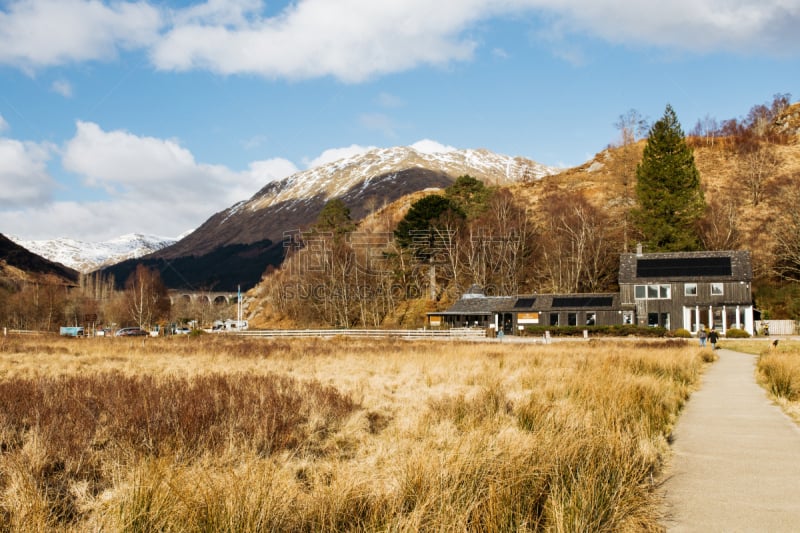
780,372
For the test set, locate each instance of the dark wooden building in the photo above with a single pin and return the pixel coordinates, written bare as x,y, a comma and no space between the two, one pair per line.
512,313
673,290
688,289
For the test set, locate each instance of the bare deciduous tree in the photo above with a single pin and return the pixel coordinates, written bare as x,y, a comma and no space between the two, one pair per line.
577,245
146,296
706,128
786,252
719,228
632,127
757,165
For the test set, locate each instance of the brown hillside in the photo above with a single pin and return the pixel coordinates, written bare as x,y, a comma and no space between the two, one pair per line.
601,181
608,182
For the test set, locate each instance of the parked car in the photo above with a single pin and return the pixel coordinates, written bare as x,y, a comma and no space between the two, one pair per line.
131,332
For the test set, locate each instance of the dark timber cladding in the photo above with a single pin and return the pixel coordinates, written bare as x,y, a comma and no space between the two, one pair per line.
684,266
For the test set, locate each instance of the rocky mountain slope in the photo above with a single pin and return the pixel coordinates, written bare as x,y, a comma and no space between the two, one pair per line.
89,256
18,264
364,182
248,236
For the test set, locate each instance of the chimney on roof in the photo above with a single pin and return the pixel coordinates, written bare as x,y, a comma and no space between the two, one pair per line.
638,249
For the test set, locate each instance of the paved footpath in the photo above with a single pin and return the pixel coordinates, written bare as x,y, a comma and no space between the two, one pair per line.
736,463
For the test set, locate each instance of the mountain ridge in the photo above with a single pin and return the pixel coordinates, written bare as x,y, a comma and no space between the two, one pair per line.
85,256
364,182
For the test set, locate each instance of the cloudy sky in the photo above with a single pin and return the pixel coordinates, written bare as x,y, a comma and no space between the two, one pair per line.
151,115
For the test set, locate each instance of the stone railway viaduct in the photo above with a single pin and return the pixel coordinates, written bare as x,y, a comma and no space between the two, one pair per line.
210,297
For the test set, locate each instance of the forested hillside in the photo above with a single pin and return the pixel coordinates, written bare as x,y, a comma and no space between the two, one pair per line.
560,234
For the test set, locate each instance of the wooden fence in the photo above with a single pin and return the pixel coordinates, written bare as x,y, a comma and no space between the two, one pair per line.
776,327
454,333
7,331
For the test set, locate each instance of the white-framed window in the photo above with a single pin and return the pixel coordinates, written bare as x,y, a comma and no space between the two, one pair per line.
690,289
717,289
652,292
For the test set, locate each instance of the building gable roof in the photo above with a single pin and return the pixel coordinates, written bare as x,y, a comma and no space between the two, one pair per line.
536,302
685,266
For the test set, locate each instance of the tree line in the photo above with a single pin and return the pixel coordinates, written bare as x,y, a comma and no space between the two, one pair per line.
94,302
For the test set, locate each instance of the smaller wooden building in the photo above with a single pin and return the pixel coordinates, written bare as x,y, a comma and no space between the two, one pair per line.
510,314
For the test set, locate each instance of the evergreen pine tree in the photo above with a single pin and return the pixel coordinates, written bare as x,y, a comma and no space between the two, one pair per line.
470,194
422,218
668,189
335,218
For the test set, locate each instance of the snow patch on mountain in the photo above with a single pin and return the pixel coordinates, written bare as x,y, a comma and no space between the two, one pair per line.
88,256
336,178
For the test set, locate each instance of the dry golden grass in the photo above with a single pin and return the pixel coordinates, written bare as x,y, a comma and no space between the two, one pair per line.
376,434
778,371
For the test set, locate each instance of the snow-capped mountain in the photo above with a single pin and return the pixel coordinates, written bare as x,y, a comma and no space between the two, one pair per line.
88,256
236,245
377,176
338,179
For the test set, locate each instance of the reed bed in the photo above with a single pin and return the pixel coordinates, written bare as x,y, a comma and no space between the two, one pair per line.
226,434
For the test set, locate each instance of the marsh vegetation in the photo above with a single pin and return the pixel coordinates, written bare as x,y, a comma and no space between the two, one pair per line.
223,434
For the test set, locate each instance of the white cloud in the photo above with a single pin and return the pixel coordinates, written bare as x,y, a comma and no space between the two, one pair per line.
355,40
263,172
427,146
62,87
40,33
152,185
24,179
3,124
744,26
351,40
218,12
335,154
156,184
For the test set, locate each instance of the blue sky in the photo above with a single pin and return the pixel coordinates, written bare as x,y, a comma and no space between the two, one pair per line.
149,116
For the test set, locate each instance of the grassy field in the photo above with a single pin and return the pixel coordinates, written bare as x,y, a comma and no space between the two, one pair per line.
224,434
777,370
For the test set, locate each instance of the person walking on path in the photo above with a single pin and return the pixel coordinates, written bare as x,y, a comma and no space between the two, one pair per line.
713,337
701,334
736,457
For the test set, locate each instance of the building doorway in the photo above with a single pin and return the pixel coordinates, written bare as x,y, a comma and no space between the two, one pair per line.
508,323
